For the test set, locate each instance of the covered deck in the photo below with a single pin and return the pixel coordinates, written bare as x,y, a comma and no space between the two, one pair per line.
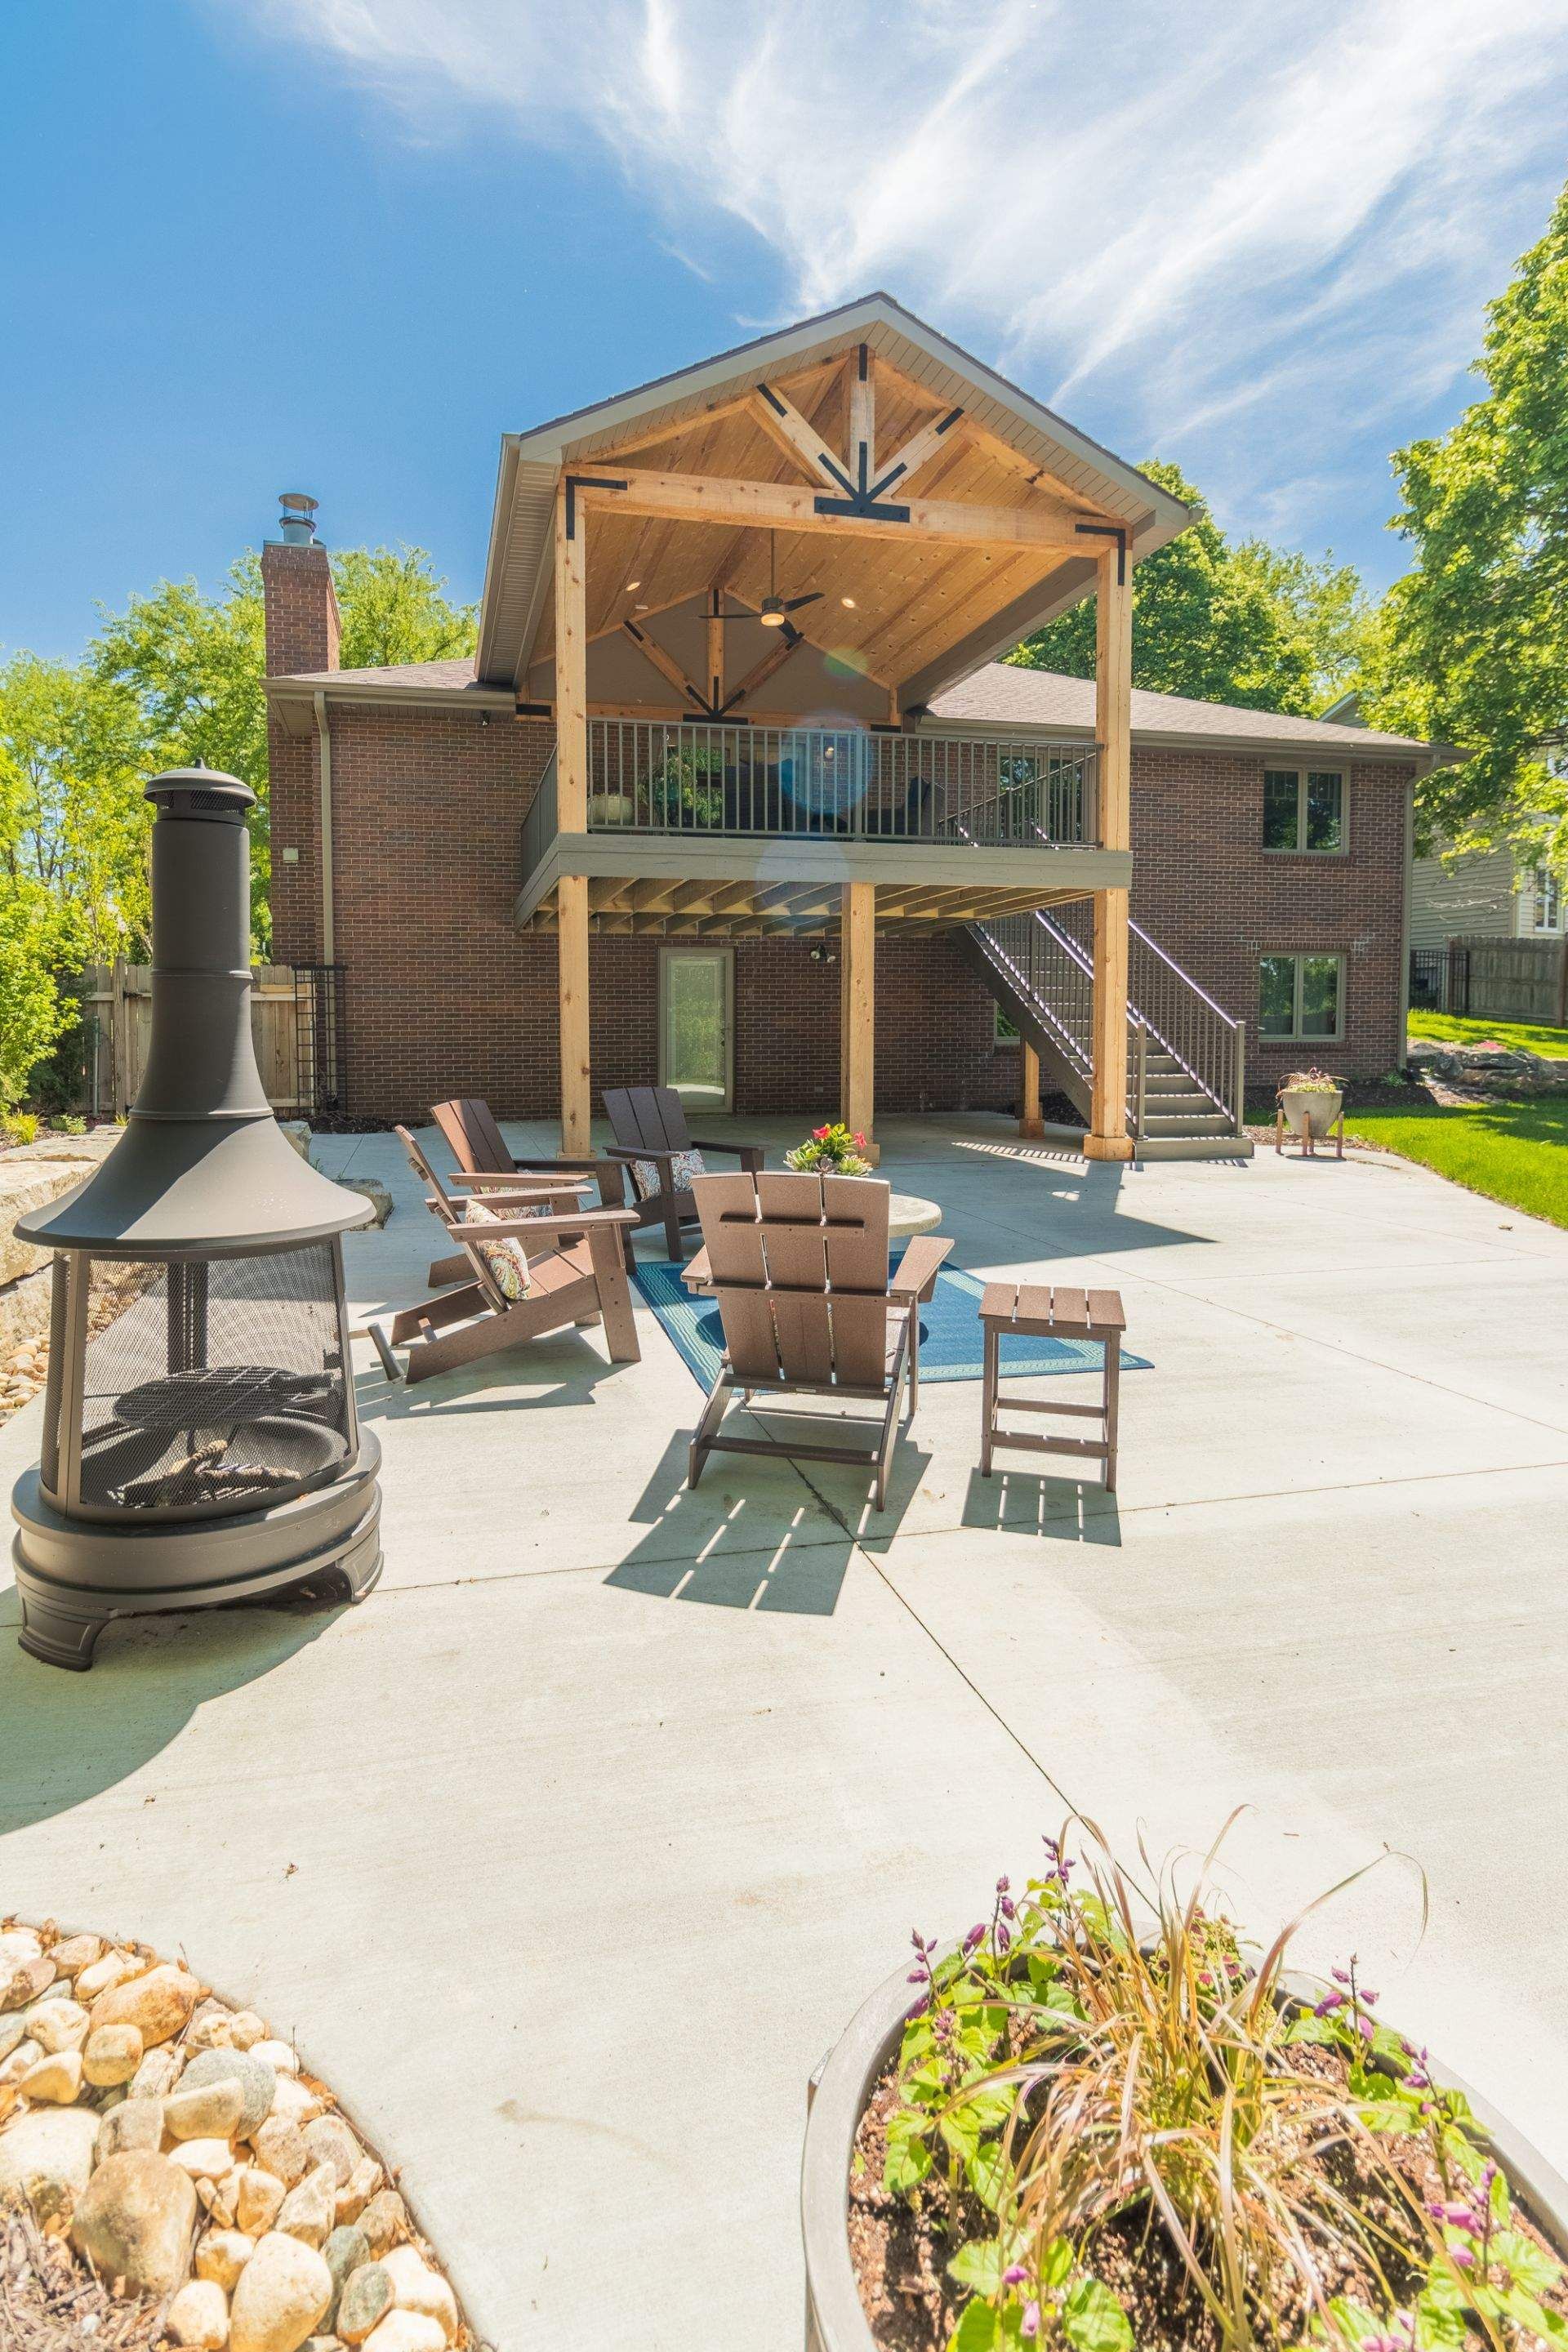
736,591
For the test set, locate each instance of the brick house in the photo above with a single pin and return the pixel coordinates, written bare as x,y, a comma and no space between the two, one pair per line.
663,828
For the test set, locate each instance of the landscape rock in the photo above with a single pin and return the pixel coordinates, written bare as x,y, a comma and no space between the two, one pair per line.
212,2032
112,1968
293,2101
279,2056
134,2221
56,2025
245,2028
328,2140
222,2255
156,2074
374,1191
49,2150
56,2077
385,2220
257,2082
76,1953
111,2055
346,2249
12,2030
366,2299
280,2146
283,2290
358,2190
417,2287
22,1981
17,1945
198,2316
204,2110
158,2003
134,2123
258,2196
202,2160
26,2054
406,2331
306,2211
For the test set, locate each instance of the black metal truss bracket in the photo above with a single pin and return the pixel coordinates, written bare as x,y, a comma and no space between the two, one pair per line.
1116,530
576,482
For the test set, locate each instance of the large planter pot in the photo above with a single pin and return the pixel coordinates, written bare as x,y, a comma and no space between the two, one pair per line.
1309,1108
841,2091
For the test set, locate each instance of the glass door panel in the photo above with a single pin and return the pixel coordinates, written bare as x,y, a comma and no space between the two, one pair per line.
694,1048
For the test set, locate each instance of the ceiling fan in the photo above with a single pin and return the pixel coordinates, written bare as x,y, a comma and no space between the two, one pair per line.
774,610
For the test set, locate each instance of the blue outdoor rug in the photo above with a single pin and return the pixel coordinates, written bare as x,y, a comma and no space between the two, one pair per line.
951,1335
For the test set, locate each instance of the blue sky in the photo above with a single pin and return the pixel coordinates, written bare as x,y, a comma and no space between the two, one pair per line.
342,244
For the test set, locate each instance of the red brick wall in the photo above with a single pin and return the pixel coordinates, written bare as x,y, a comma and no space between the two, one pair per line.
443,996
302,626
1203,888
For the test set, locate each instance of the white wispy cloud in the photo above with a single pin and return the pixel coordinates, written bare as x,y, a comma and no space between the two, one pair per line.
1235,232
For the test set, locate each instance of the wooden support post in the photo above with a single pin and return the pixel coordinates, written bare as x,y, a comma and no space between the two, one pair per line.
857,1011
1029,1119
572,809
1107,1137
715,651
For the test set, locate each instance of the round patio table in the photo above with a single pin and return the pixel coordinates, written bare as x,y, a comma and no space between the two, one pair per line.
908,1213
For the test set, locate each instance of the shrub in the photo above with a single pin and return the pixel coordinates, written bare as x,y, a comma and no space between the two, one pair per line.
19,1127
1311,1082
69,1123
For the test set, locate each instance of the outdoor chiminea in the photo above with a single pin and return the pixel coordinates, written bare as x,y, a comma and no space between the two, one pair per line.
200,1438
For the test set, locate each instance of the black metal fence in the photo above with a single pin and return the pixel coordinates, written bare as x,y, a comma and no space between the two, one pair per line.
320,1042
1440,978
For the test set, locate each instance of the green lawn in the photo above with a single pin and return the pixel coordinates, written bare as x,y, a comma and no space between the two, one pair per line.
1450,1029
1516,1152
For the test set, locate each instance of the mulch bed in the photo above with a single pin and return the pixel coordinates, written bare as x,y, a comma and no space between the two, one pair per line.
49,2302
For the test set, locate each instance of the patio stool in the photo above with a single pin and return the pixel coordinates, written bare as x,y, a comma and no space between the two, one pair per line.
1038,1310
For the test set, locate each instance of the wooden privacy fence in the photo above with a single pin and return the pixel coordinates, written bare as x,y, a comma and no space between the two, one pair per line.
294,1019
1518,979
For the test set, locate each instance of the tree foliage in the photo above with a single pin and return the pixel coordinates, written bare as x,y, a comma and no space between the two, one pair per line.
174,678
1471,646
1224,622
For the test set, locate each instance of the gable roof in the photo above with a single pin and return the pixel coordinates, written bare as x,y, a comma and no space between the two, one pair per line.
514,605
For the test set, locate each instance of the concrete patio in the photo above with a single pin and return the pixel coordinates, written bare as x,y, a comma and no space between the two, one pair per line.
568,1853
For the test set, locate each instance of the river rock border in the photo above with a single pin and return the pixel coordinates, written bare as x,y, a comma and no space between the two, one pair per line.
185,2158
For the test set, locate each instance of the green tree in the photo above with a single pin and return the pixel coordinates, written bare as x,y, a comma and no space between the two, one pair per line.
195,664
35,939
1220,622
1471,646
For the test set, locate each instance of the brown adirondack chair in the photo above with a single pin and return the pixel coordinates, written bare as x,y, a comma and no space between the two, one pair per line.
653,1143
536,1262
798,1265
486,1159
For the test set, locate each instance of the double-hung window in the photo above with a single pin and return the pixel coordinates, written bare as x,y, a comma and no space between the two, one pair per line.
1300,996
1304,809
1548,901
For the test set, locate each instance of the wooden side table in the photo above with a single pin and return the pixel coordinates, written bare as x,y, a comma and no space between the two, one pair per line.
1047,1312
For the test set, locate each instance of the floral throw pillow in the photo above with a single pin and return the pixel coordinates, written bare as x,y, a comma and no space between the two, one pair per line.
682,1168
507,1259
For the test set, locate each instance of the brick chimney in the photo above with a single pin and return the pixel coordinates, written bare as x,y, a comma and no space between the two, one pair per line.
297,594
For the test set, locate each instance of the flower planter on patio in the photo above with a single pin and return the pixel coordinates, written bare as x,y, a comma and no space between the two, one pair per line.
844,2086
1314,1108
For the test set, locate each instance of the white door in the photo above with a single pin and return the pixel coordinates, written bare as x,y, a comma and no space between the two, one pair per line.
695,1058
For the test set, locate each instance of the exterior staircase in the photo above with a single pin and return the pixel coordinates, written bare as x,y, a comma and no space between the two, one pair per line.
1185,1059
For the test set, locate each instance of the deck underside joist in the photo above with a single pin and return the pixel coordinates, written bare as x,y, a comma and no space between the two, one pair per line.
798,910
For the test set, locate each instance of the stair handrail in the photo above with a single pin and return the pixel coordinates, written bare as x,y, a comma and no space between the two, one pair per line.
1185,977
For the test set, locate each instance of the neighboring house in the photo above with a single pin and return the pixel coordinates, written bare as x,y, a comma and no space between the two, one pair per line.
796,858
1492,893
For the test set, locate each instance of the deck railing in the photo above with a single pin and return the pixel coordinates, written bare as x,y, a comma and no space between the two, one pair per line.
692,778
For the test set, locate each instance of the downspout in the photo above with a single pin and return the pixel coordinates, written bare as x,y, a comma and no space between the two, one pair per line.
324,741
1402,1050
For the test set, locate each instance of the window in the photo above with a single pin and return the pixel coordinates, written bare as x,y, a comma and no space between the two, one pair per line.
1548,901
1300,996
1304,808
1006,1031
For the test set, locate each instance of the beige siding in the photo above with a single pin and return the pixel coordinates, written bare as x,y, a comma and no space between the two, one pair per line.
1473,897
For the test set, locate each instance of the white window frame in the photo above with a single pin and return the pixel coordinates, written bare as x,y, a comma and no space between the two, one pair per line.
1295,1035
1299,848
1546,894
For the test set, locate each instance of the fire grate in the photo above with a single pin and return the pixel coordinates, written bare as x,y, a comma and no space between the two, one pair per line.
220,1387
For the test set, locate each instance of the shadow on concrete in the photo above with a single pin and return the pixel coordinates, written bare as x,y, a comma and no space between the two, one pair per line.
1021,1502
709,1544
66,1738
565,1369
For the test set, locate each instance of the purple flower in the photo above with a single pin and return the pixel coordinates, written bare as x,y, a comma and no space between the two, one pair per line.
1341,1976
1009,1910
975,1936
1205,1980
1015,2275
1003,1884
1461,2217
1461,2258
919,2010
1003,1939
1363,1994
1365,2027
1330,2003
917,1976
1030,2322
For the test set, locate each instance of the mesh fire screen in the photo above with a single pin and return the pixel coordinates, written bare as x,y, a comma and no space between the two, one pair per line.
212,1384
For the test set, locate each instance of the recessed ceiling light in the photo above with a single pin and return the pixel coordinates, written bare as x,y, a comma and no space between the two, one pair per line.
639,608
847,603
632,584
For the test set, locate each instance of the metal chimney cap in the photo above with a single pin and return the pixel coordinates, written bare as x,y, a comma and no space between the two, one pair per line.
206,791
298,520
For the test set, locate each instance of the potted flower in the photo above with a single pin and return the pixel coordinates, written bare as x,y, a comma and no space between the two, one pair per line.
1312,1101
1101,2121
831,1151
